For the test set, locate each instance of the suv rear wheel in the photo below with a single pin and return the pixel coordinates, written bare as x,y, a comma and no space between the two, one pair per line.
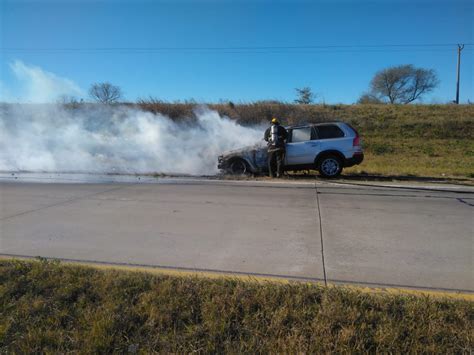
330,166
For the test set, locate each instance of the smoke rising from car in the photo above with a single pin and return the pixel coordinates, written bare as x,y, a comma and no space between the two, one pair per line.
115,139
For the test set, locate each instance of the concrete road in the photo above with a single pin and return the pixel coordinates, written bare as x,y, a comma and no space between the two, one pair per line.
385,236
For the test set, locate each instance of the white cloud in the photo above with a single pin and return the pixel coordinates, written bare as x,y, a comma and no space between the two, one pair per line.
40,86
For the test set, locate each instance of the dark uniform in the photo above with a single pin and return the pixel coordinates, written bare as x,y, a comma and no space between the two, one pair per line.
276,136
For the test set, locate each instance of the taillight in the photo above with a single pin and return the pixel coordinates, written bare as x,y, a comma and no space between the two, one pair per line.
356,141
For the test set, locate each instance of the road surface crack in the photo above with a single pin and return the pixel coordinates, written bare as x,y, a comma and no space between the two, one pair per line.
465,202
62,202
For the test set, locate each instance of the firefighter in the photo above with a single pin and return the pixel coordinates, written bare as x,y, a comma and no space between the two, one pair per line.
276,136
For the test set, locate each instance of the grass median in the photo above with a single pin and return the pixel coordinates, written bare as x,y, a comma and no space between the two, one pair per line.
50,307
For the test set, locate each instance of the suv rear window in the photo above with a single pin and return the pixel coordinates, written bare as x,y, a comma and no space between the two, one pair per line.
329,131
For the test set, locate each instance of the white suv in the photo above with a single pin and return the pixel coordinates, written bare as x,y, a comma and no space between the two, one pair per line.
326,147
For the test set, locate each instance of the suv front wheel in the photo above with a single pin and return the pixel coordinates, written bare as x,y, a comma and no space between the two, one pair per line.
330,166
238,167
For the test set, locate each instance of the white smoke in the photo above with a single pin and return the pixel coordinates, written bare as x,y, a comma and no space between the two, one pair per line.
114,139
105,139
40,86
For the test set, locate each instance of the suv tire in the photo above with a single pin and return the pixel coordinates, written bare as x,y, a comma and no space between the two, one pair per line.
330,166
238,167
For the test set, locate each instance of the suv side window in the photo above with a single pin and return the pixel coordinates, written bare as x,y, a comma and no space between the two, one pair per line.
329,131
302,134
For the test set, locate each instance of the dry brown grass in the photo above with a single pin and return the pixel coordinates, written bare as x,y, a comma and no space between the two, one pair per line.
52,308
371,117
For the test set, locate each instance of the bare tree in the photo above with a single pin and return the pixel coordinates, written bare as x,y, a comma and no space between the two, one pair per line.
403,84
305,95
105,93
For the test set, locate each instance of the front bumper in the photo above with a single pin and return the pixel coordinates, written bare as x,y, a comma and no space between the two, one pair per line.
356,159
221,163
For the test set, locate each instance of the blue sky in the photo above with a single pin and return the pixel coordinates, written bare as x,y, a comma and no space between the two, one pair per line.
82,42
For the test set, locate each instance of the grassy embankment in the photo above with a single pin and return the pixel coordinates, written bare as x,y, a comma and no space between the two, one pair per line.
49,307
400,140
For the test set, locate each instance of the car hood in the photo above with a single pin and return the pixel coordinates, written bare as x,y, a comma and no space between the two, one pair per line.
246,149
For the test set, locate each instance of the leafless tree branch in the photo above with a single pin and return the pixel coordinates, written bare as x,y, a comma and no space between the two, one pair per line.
105,93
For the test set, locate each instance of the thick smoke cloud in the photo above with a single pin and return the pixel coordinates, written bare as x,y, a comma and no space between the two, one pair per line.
107,139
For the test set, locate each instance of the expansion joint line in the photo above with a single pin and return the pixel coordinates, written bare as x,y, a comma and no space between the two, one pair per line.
321,235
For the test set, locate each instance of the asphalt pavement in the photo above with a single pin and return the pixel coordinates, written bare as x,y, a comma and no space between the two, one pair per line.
403,236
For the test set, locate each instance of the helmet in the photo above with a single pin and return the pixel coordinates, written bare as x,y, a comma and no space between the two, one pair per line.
275,120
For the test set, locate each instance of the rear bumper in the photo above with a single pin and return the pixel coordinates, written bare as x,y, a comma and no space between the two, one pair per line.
356,159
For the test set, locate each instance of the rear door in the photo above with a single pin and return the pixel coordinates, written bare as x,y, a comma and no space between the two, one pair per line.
332,137
302,147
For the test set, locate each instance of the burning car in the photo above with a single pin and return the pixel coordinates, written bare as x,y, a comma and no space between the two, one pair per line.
327,147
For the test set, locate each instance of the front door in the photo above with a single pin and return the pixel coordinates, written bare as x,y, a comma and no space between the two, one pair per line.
301,149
